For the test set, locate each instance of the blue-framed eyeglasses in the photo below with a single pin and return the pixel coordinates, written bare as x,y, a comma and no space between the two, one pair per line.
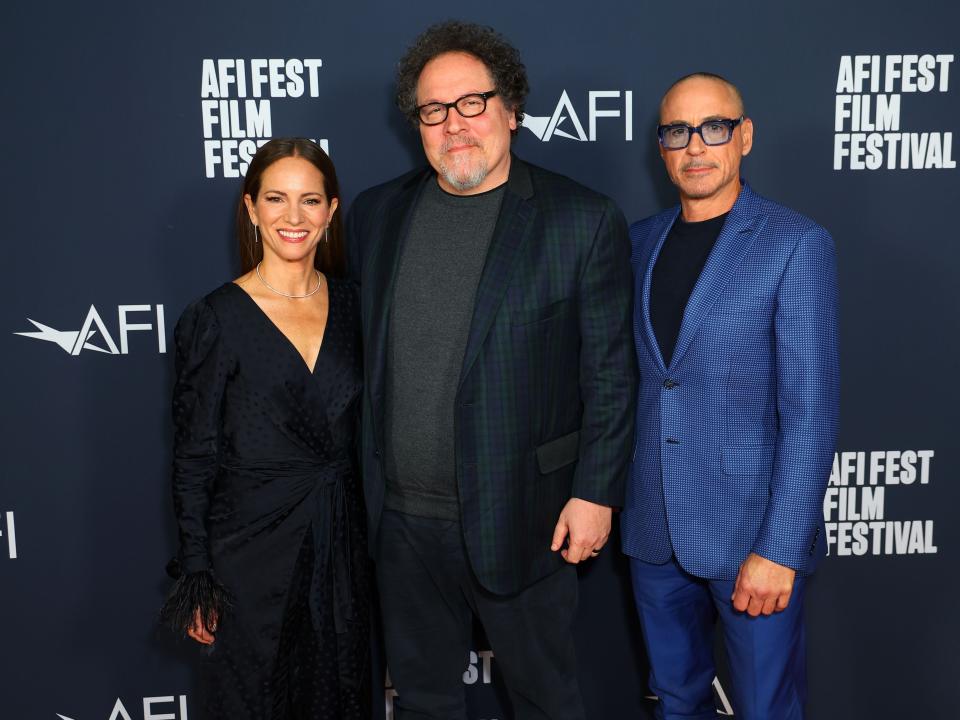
468,106
712,132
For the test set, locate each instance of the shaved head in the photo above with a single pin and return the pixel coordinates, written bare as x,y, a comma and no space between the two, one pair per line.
708,176
731,88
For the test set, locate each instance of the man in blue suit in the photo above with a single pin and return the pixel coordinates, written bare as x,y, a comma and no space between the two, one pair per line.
735,324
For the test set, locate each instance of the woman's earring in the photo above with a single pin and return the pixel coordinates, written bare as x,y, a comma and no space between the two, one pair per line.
256,237
326,235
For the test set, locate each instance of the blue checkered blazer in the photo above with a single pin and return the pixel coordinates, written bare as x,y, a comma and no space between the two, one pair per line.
735,440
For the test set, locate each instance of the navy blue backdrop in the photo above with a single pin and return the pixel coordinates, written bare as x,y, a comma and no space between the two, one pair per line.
124,131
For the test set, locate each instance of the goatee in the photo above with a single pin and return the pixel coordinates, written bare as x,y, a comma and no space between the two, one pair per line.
466,171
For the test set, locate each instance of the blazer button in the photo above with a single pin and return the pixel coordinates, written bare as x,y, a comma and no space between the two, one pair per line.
673,441
670,384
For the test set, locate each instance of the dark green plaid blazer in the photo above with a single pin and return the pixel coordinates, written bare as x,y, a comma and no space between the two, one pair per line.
545,405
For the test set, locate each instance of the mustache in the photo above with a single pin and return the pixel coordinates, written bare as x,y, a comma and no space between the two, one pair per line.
694,164
459,141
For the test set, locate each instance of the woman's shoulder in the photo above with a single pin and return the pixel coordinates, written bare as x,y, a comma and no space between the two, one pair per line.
225,297
205,313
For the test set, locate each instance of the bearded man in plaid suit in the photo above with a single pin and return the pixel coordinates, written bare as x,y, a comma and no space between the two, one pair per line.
500,386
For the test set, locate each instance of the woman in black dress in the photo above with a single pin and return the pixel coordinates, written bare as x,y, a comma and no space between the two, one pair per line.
272,560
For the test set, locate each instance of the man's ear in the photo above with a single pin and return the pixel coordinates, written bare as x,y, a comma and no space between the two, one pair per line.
746,134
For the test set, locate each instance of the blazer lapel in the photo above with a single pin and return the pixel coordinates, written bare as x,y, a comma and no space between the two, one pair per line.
381,281
648,335
513,225
738,234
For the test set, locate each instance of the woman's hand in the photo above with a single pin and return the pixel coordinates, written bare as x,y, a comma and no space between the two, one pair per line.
194,598
198,632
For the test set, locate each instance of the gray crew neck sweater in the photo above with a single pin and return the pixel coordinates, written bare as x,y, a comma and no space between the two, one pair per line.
440,266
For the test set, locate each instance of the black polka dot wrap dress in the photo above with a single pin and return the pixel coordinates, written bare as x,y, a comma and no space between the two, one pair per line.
268,502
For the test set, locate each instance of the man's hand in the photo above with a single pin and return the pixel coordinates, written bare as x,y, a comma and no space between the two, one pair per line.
586,526
762,586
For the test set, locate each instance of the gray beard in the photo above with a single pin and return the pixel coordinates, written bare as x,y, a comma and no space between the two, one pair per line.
464,178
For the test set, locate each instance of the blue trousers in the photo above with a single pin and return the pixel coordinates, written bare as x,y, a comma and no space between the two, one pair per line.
766,654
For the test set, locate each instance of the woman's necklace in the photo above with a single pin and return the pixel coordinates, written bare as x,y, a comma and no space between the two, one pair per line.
281,292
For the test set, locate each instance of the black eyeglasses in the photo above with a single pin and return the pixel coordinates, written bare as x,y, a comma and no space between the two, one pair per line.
712,132
468,106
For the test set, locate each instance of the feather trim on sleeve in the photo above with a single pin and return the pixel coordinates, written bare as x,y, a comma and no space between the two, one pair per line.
192,591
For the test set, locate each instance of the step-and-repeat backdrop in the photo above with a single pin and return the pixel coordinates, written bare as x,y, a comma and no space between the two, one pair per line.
126,130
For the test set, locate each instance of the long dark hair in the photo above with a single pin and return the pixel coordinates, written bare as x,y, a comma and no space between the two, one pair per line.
329,258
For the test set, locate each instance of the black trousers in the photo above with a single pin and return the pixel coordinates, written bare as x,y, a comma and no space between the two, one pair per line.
428,597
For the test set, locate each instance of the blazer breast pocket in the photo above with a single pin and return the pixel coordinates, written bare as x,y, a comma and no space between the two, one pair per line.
744,305
529,316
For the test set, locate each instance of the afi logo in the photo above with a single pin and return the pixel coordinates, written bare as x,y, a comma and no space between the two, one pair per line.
719,698
76,341
175,709
11,532
615,105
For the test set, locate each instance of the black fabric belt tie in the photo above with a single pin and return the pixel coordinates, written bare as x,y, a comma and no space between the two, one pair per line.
332,529
326,482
